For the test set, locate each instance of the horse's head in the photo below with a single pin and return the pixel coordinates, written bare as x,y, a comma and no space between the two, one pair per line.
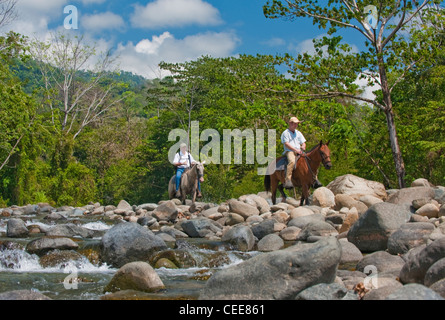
200,169
325,154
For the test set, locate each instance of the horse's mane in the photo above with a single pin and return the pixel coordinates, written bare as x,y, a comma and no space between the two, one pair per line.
315,147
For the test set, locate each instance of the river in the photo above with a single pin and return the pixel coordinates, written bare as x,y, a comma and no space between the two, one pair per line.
20,270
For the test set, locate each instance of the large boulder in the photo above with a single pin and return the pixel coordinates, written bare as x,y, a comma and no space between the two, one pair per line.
277,275
16,228
408,236
129,242
418,263
356,187
241,237
372,230
138,276
45,244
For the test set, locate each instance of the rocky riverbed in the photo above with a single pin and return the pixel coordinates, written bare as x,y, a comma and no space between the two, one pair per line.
355,241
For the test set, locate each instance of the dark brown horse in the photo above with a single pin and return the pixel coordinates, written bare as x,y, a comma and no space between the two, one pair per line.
304,175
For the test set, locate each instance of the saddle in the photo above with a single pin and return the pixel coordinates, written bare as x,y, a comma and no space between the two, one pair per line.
282,162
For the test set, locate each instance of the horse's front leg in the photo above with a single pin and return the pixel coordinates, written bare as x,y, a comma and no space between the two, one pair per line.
304,195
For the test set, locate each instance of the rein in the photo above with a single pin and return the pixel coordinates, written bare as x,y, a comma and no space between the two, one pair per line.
323,161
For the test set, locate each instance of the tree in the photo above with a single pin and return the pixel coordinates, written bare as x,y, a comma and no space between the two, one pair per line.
7,11
75,97
394,46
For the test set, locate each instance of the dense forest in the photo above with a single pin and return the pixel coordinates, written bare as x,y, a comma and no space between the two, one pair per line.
75,130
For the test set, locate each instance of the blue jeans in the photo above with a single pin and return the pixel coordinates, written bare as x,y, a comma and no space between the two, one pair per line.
179,172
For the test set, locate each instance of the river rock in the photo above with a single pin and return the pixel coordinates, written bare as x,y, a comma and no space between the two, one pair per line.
373,229
302,221
200,227
439,287
60,258
138,276
408,236
242,208
435,273
408,195
241,237
271,242
129,242
23,295
124,205
300,212
166,211
264,228
175,233
261,204
382,261
16,228
369,200
323,197
421,182
349,220
356,187
418,263
382,292
414,292
317,229
350,253
277,275
327,291
45,244
147,206
233,219
290,233
429,210
344,200
442,211
70,230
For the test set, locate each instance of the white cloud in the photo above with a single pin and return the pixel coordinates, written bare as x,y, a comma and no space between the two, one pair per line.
102,21
88,2
274,42
144,57
368,91
307,46
175,13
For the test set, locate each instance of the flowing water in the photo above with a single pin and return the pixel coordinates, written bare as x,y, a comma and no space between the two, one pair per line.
86,278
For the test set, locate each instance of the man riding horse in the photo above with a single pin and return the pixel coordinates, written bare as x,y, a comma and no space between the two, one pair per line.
294,146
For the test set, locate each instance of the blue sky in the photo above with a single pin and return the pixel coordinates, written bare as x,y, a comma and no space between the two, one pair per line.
144,33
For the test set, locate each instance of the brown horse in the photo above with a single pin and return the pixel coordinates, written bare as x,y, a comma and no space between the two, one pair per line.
304,175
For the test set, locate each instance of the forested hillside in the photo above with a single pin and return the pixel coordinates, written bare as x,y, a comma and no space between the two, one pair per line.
70,136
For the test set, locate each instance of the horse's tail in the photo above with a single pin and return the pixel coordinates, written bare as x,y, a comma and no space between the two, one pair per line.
267,182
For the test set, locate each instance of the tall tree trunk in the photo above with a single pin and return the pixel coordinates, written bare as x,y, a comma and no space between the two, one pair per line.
391,125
